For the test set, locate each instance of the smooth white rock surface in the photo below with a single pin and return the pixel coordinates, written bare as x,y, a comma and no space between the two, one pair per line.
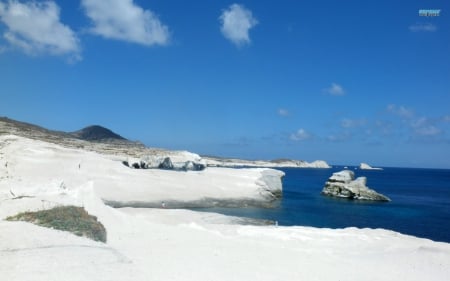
51,168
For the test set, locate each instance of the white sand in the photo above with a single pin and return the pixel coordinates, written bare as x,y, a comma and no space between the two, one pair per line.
155,244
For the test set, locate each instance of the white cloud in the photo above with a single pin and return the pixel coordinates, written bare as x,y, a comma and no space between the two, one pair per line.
36,29
418,127
283,112
427,131
300,135
385,128
341,137
423,27
236,22
335,90
425,127
352,123
401,111
124,20
420,122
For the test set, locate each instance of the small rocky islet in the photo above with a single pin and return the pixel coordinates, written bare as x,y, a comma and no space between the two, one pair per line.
344,185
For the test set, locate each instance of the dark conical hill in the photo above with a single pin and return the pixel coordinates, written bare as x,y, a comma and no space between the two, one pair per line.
97,133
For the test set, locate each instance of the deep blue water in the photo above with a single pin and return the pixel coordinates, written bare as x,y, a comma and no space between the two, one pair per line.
420,203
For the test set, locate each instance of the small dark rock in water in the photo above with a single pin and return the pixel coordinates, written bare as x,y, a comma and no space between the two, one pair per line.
144,165
343,184
136,166
166,164
126,163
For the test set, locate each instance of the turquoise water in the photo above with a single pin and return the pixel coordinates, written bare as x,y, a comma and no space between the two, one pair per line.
420,203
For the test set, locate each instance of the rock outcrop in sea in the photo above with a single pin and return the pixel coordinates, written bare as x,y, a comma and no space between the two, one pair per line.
343,184
365,166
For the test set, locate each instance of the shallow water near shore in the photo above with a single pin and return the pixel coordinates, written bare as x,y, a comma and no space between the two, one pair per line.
420,203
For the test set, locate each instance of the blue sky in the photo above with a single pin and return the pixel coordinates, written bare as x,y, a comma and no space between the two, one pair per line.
342,81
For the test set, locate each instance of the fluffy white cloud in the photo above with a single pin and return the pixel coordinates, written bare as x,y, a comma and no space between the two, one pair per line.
236,22
335,90
300,135
283,112
124,20
35,28
423,27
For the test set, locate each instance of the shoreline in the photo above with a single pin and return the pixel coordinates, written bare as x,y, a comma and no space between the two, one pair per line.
179,244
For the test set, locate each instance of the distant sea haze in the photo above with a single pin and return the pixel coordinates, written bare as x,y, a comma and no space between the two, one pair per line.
420,203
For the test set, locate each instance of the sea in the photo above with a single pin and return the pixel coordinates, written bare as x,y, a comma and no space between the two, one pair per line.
420,203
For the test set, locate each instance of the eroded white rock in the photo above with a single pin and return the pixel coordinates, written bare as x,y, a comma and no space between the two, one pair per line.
343,184
365,166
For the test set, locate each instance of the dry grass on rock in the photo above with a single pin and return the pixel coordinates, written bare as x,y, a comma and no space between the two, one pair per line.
67,218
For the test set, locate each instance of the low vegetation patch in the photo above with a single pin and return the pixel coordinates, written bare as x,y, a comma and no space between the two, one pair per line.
67,218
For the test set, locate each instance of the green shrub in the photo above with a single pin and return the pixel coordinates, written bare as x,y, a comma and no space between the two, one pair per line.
67,218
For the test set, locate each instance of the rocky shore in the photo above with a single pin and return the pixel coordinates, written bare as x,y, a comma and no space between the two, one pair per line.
174,244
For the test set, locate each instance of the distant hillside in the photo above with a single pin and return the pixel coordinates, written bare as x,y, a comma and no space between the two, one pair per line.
8,125
92,138
91,133
97,133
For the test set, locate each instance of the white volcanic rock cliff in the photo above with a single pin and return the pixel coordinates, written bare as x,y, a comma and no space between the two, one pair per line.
279,163
344,184
49,166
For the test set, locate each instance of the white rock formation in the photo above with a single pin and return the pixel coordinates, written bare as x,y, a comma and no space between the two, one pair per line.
282,163
365,166
344,184
40,164
319,164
